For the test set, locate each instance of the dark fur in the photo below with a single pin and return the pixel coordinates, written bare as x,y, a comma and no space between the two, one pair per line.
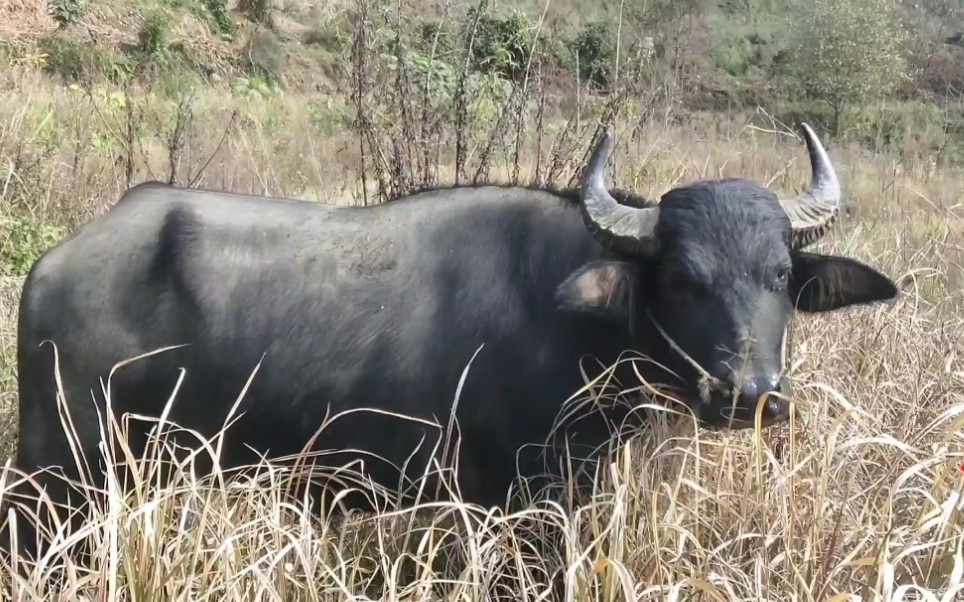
625,197
384,307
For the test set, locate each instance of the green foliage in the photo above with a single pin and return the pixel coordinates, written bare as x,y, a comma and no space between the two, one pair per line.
156,57
905,128
14,53
153,37
594,50
329,115
898,128
848,51
264,56
321,36
502,44
749,39
23,241
219,15
173,82
255,87
76,61
747,53
258,11
213,12
66,12
734,7
440,76
732,55
490,94
159,57
433,32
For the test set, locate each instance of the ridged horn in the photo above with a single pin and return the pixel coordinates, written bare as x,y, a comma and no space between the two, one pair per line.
813,212
618,227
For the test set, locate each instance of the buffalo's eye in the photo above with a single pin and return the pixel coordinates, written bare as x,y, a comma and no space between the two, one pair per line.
781,279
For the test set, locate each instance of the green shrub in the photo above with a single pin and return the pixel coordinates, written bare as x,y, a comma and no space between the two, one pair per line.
219,16
900,128
502,44
323,37
255,87
434,32
153,37
258,11
173,82
159,57
66,12
76,61
23,240
732,55
329,115
264,56
440,75
214,13
594,49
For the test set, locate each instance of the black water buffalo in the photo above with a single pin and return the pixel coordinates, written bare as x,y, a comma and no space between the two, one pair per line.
384,307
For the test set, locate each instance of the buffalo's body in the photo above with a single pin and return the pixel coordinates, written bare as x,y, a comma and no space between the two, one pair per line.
379,307
383,308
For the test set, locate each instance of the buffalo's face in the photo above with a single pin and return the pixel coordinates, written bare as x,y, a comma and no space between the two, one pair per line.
715,270
720,297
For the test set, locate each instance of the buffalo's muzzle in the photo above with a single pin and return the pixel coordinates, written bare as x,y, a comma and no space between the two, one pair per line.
722,410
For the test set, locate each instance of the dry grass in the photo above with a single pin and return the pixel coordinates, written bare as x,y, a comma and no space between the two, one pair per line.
859,499
25,17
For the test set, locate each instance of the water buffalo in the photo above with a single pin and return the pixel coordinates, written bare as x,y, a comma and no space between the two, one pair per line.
384,307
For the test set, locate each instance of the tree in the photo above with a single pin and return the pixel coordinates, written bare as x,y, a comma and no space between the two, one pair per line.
849,51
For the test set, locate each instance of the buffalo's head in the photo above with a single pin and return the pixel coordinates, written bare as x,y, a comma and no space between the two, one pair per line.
716,270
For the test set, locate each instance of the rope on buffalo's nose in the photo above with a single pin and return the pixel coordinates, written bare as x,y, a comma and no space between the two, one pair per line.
707,381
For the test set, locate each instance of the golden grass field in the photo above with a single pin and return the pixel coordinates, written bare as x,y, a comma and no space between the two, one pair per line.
858,499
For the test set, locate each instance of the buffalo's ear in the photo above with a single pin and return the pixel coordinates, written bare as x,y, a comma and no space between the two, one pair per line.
604,288
825,283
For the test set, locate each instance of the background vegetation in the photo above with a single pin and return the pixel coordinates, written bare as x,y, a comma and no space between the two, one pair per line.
354,101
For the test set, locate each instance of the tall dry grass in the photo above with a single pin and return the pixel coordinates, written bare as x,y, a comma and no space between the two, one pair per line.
860,498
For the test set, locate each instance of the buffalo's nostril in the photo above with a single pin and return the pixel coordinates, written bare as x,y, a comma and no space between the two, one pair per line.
777,406
774,407
754,387
749,391
769,389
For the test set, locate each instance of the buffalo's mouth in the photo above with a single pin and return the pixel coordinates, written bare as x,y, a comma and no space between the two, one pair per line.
723,411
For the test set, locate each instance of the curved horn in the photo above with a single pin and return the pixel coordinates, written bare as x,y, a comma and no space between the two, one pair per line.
813,212
624,229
